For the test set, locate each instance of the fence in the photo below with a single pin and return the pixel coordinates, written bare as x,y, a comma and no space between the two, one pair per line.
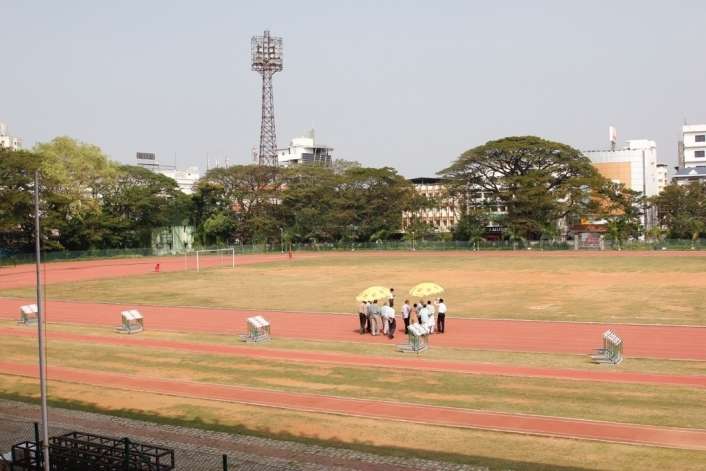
397,245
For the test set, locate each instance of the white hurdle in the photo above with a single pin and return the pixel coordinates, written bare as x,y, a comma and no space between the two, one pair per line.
133,322
28,314
258,330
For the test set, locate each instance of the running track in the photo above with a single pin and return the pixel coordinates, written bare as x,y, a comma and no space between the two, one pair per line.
434,415
665,342
398,362
61,272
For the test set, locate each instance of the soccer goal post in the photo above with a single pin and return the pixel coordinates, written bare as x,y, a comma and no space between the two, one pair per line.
210,258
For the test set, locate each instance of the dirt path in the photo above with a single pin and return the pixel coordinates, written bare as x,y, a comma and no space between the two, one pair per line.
397,362
670,342
448,416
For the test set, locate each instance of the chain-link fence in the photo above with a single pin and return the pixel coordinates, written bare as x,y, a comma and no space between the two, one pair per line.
399,245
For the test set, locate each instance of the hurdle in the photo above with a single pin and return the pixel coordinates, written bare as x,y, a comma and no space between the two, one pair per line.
133,322
612,350
28,314
258,330
418,340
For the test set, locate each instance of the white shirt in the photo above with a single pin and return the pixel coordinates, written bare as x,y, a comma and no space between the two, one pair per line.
388,312
406,310
442,308
424,315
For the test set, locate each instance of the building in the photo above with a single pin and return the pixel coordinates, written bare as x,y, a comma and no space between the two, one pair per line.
694,145
304,151
186,179
634,165
662,178
443,217
692,155
7,141
687,175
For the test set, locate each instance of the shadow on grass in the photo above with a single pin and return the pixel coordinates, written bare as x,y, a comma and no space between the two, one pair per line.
475,460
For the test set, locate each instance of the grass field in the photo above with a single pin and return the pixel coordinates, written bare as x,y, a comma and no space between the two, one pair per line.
641,289
657,289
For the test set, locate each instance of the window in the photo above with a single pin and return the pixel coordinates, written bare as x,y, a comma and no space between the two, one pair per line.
699,154
700,138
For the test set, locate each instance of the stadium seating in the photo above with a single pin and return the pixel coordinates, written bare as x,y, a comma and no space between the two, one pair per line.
132,322
258,330
418,339
28,314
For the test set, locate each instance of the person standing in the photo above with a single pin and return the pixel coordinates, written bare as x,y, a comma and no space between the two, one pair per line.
392,322
377,318
414,315
441,317
430,311
363,316
406,311
424,316
391,297
369,312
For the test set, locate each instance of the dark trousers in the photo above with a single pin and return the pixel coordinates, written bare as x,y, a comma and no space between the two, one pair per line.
392,328
363,322
406,324
440,323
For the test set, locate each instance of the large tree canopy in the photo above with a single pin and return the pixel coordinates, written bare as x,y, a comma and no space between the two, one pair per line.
682,210
536,181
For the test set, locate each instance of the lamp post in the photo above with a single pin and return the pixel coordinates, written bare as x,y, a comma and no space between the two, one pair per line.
281,239
41,334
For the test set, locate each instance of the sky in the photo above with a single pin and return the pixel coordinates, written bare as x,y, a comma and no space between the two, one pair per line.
407,84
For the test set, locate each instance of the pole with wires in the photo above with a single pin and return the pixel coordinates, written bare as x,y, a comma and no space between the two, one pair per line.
41,332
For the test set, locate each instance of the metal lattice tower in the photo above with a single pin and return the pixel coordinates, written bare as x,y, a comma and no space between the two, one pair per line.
267,60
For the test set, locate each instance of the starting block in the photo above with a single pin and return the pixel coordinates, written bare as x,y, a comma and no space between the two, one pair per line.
133,322
418,339
612,350
258,330
28,314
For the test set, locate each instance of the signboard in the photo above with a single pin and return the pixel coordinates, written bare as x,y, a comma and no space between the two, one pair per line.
145,156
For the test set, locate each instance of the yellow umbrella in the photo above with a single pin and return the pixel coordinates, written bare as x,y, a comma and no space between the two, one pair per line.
373,293
423,290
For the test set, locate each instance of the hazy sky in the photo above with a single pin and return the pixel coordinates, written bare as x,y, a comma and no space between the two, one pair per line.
400,83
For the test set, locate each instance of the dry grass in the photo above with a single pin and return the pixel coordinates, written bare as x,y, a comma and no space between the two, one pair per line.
497,450
650,289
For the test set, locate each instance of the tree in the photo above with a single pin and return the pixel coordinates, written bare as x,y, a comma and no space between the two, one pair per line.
17,169
538,182
679,207
472,226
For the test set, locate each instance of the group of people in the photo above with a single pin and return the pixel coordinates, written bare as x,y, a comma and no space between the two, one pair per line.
379,318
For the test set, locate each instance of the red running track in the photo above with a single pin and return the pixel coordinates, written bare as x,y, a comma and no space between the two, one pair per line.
667,342
60,272
403,362
434,415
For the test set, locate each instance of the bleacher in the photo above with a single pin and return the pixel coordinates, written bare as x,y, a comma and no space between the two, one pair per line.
612,350
258,330
417,339
132,322
28,314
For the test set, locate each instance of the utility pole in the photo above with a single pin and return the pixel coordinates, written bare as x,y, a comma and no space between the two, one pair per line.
41,333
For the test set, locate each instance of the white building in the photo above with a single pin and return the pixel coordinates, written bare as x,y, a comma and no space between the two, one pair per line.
662,181
186,179
692,158
694,149
304,151
8,142
635,165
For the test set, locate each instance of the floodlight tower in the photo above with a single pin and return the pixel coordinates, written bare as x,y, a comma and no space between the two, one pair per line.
267,60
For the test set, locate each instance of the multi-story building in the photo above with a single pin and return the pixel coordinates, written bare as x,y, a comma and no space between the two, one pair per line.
304,151
443,216
7,141
692,155
634,165
662,179
186,179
